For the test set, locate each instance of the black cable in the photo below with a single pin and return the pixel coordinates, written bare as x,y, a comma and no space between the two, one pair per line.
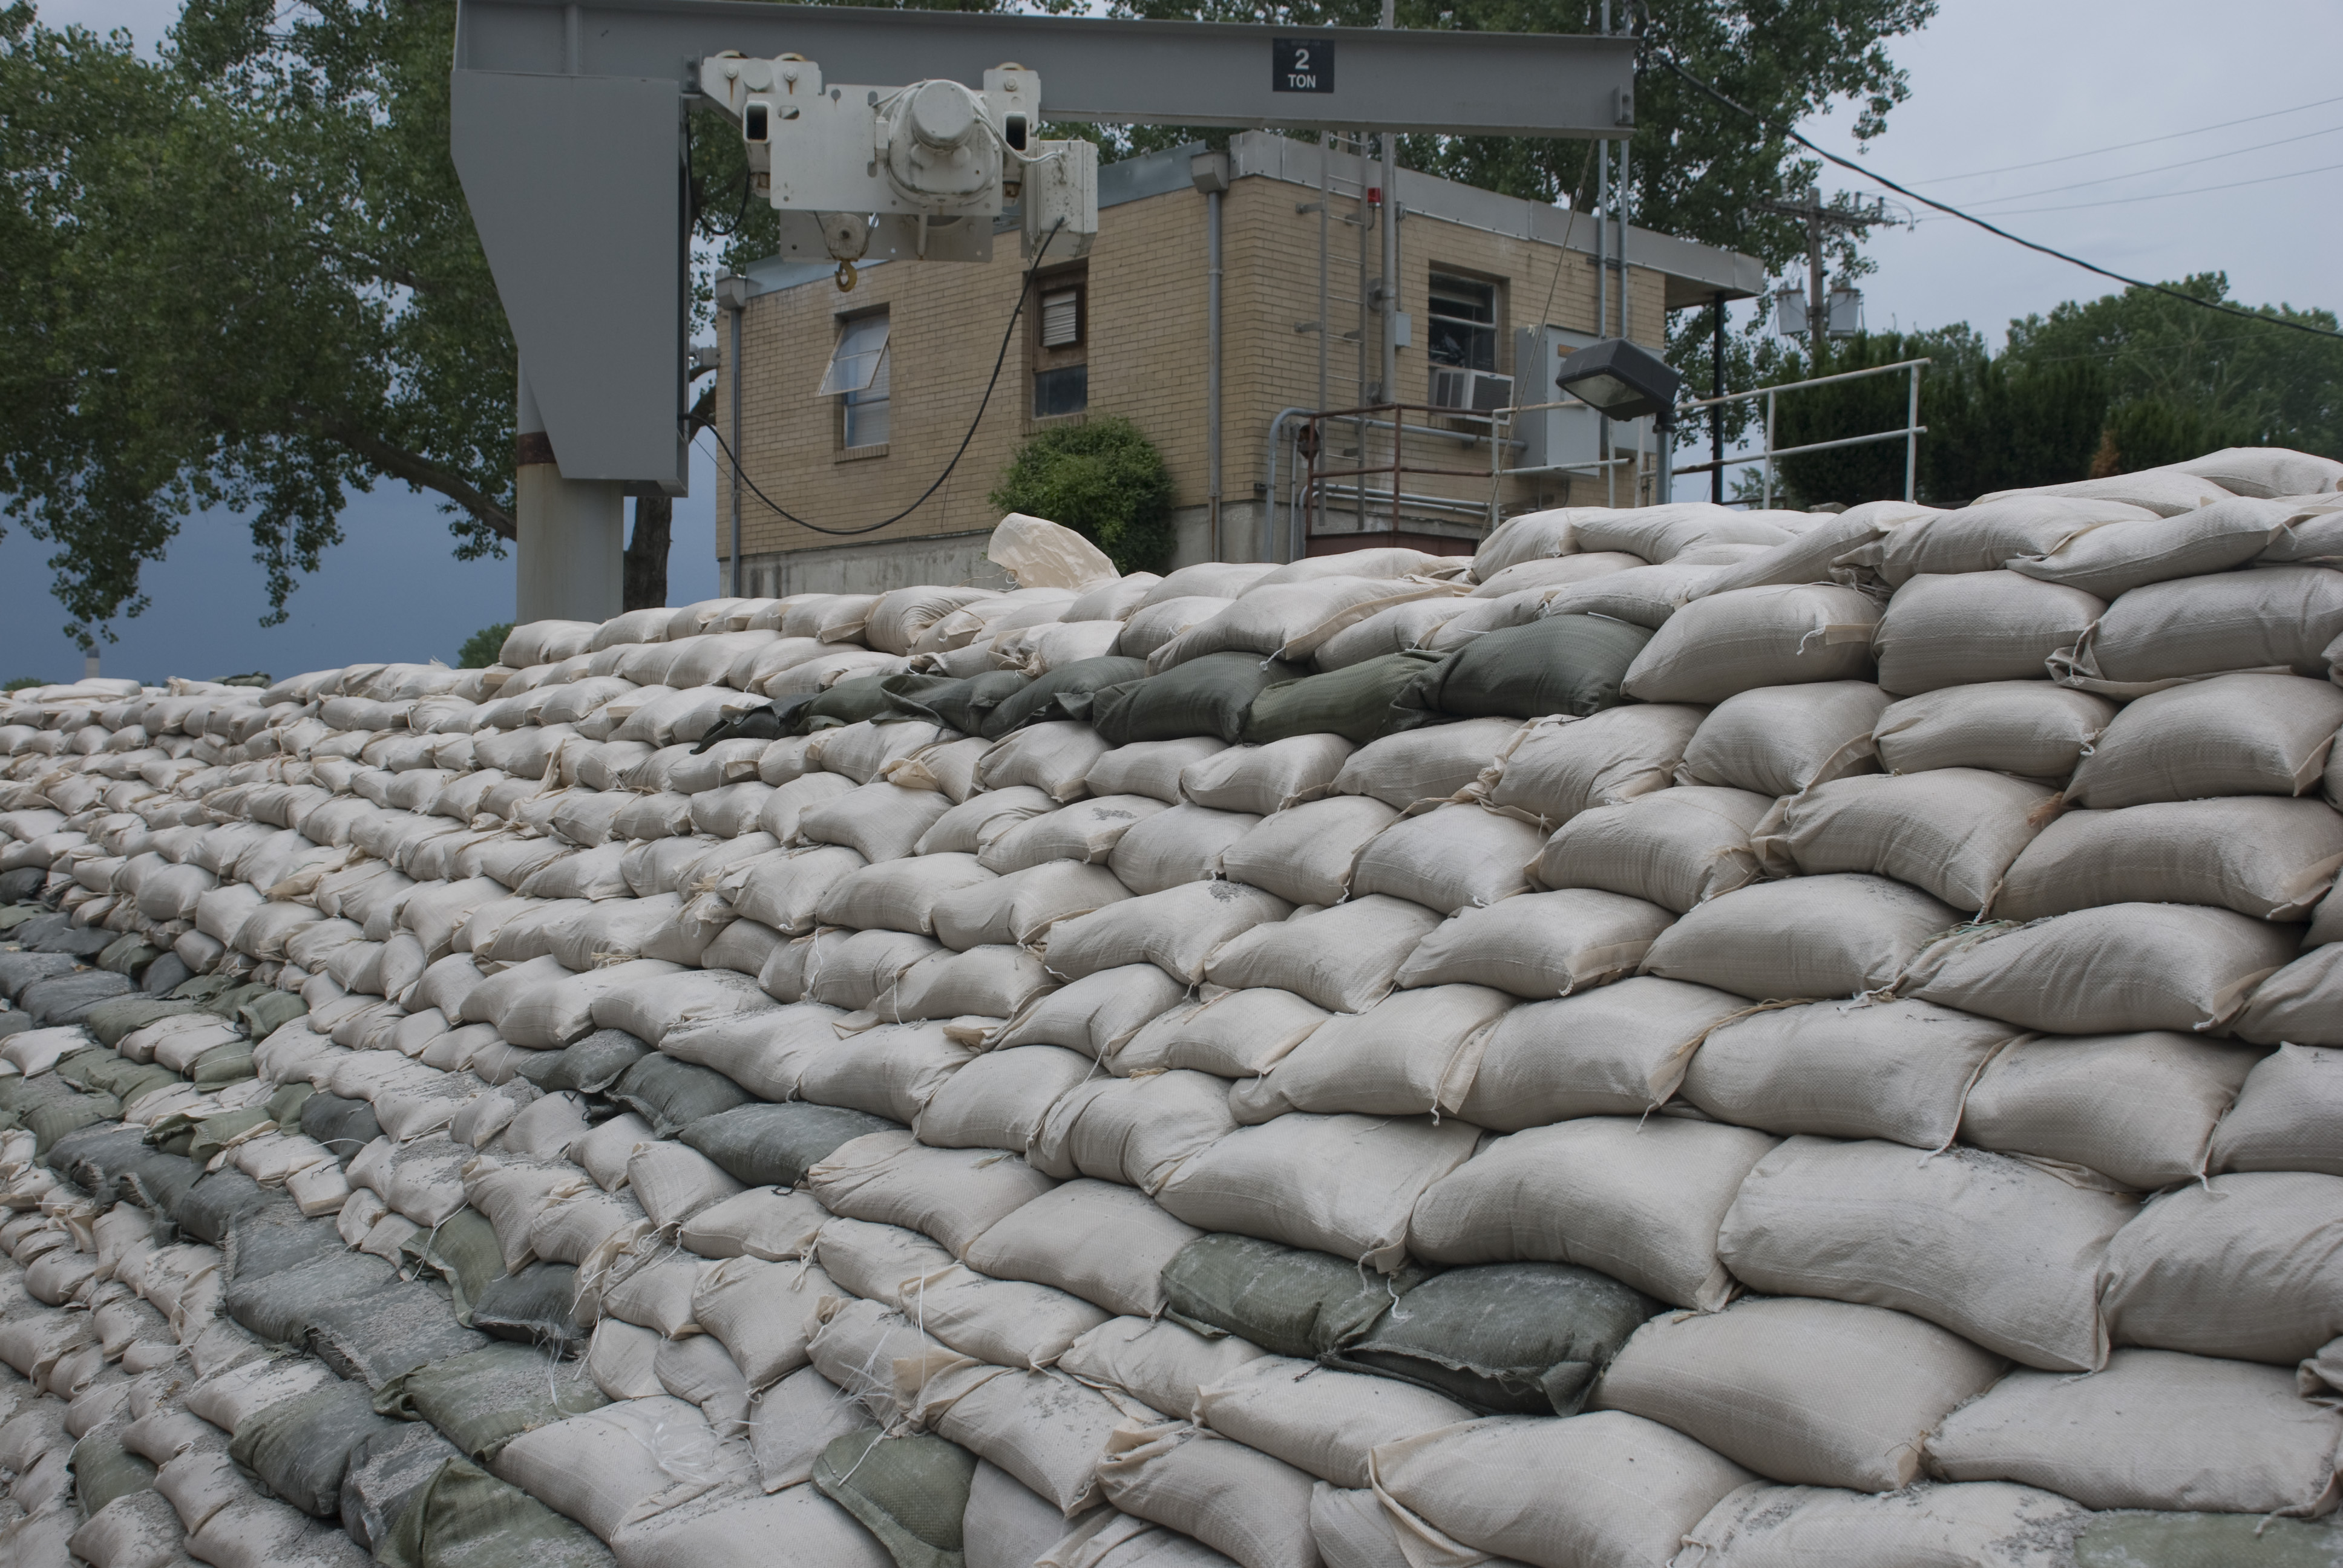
1670,62
998,361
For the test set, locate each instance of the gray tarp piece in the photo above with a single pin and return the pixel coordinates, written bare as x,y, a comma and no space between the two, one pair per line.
1287,1301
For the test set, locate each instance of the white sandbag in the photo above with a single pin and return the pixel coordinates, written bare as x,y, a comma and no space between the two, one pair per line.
1391,630
1177,930
2166,491
1662,533
1558,766
790,1424
1055,757
1260,780
1729,643
1640,595
2243,1266
1411,1053
2263,618
2222,532
652,1007
1952,833
1997,1250
880,821
1235,1499
1526,536
1289,620
1237,1034
784,889
619,1465
1639,1203
1778,740
1097,1014
976,821
1980,1524
2117,967
1981,537
1434,763
2283,1114
2264,471
1540,945
1807,555
2262,856
786,807
899,895
1045,1429
1809,937
850,969
1183,844
1024,906
1304,854
1086,831
1672,848
953,1195
758,1310
1137,1131
1319,1420
1343,958
1817,1393
2153,1430
1157,621
1105,1243
2138,1108
1619,1049
1961,628
1339,1184
1150,768
996,1100
2232,735
1448,858
2027,728
1606,1487
891,1070
1897,1070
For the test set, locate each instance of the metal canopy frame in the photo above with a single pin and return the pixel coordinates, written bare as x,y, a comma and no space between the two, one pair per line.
567,134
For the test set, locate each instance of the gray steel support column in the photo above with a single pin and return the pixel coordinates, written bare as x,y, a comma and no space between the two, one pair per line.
732,299
1210,174
571,544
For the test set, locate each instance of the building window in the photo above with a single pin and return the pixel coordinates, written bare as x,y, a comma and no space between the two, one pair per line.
858,377
1463,323
1061,349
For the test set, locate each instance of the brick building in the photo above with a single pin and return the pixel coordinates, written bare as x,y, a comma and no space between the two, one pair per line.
853,401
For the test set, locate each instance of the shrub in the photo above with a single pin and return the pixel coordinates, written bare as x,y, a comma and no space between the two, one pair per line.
23,682
481,648
1103,479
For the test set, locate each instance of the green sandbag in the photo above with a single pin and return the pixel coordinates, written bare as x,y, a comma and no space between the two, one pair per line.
52,1122
68,997
214,1133
103,1470
849,702
589,1065
463,1251
210,1207
1289,1301
671,1094
1507,1339
343,1126
483,1400
128,956
21,1095
775,1145
1567,664
101,1071
1207,696
224,1003
298,1448
383,1474
2142,1539
909,1492
267,1013
464,1517
109,1022
961,705
284,1106
383,1335
223,1065
1358,702
159,1182
94,1158
1068,691
205,989
538,1306
282,1307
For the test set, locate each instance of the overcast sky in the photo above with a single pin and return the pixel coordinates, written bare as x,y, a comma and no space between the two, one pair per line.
1994,84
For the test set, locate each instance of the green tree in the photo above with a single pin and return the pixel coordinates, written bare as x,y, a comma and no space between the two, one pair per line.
1103,479
481,648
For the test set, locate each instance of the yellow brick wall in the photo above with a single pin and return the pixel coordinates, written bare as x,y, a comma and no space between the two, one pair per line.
1146,331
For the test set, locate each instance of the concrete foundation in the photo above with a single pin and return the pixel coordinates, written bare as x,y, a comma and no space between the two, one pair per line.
873,566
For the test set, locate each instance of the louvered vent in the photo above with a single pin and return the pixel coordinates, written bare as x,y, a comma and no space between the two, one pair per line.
1061,318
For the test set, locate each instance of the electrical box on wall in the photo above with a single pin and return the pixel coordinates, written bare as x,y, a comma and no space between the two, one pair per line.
1552,437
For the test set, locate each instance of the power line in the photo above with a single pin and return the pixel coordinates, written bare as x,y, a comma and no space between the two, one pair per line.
2160,168
2120,147
1791,133
2163,195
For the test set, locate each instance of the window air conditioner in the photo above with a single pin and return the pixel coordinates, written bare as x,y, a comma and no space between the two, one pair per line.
1470,391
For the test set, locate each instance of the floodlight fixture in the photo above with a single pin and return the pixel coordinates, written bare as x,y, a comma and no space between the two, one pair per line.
1624,381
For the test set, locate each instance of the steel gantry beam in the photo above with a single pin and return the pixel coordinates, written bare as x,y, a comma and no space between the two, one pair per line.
568,134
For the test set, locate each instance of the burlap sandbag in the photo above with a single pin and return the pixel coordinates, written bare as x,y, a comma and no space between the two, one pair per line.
1412,1052
2120,967
1450,857
1730,643
2264,618
1822,936
2281,1118
1819,1393
2264,856
2232,735
1950,831
1539,945
1779,739
1616,1051
2245,1266
1673,848
1982,537
1557,768
1963,627
2153,1430
1319,1420
1997,1250
1827,1527
1640,1201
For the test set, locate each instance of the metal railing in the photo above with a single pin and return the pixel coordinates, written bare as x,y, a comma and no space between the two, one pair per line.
1909,434
1323,482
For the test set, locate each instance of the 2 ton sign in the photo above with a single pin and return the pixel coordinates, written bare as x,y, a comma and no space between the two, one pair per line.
1301,65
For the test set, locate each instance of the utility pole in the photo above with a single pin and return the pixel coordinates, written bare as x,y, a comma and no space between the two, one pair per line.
1821,222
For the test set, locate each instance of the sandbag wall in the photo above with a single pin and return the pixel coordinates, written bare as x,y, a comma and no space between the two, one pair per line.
1723,1038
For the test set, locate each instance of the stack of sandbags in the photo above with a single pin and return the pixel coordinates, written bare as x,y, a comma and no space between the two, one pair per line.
1243,1066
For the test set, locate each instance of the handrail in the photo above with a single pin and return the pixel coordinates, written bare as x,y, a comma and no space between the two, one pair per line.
1909,434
